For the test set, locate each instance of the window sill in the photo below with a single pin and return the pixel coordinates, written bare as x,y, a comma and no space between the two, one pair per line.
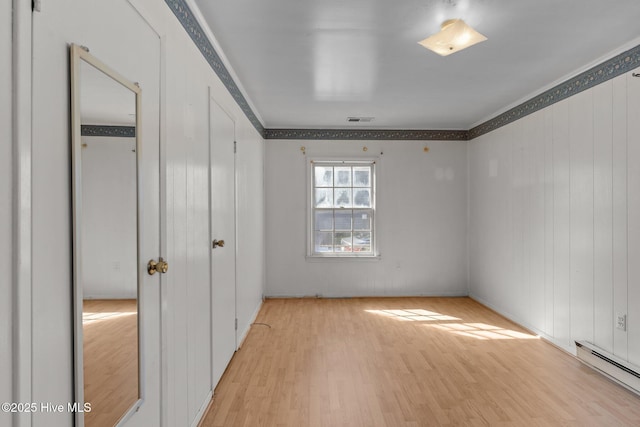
343,258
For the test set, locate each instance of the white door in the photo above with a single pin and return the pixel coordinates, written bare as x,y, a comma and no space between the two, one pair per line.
223,228
117,35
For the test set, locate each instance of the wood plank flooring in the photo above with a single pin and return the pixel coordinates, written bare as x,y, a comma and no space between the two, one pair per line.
407,362
110,359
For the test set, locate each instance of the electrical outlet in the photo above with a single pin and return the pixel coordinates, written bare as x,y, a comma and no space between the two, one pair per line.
621,322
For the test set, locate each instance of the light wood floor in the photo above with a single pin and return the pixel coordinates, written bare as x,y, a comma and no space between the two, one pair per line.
407,362
110,359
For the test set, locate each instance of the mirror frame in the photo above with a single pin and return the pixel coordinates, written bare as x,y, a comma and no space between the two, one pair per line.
78,54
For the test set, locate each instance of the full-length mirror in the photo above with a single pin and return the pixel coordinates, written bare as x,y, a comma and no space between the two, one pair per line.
105,145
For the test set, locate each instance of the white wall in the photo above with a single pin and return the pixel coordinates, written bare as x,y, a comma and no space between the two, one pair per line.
6,206
250,243
421,221
109,222
554,218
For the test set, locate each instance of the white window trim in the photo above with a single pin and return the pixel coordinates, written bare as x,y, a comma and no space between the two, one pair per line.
374,254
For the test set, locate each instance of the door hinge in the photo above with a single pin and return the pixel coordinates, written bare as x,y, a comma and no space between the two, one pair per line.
236,324
36,5
235,147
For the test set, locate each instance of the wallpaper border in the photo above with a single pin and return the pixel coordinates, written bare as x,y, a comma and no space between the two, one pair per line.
106,130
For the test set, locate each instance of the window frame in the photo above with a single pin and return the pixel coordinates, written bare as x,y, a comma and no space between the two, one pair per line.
373,163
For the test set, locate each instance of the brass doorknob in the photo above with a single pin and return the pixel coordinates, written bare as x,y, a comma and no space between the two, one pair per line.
217,243
160,266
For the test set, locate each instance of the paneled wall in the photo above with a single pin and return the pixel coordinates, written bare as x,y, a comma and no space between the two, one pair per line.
188,299
250,222
554,232
6,206
421,221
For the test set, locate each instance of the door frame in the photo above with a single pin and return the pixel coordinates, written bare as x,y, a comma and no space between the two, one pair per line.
21,107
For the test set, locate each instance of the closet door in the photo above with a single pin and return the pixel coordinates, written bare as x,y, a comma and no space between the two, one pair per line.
116,34
223,237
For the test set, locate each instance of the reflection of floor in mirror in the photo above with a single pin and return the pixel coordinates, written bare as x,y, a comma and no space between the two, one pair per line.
110,359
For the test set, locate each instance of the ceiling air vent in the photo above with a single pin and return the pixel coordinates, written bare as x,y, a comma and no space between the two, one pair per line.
360,119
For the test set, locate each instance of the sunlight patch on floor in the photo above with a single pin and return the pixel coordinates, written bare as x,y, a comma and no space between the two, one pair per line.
413,315
443,322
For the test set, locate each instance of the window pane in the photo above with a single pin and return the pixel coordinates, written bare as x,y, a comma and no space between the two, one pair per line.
343,242
324,198
361,220
343,177
324,241
362,198
343,220
324,220
343,197
361,177
343,208
362,242
323,176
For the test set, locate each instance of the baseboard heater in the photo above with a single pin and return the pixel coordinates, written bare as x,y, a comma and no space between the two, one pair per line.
622,372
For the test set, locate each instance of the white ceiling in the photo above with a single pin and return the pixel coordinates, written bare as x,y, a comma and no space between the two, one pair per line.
313,63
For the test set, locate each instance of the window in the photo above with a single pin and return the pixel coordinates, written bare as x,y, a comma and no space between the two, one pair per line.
342,208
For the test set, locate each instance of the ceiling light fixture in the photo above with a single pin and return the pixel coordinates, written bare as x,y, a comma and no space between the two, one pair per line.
454,35
355,119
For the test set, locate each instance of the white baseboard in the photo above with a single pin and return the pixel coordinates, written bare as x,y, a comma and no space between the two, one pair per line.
336,296
202,410
567,347
254,316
